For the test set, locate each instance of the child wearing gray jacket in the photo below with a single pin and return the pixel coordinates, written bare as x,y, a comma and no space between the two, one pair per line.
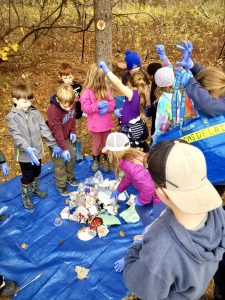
181,250
27,126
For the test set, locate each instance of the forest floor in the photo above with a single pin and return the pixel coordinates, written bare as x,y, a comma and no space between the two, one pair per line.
38,68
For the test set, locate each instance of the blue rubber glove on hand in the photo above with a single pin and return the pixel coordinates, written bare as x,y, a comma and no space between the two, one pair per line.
57,152
31,153
66,155
114,194
102,104
119,265
103,66
136,200
160,50
103,110
5,169
73,137
117,112
186,61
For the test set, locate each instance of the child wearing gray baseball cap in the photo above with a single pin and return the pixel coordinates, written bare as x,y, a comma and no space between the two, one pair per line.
181,250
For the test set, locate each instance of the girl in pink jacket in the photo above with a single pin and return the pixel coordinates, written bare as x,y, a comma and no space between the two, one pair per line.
98,103
131,161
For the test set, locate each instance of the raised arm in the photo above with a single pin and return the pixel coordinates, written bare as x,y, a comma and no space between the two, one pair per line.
126,91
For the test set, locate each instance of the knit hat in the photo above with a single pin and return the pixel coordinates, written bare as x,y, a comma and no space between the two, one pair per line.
116,141
164,77
180,170
132,60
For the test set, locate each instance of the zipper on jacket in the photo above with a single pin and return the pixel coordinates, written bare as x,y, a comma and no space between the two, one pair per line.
26,117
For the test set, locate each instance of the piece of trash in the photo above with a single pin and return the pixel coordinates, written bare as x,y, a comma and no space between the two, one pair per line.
122,233
28,283
82,272
84,234
60,242
24,246
138,237
58,221
102,231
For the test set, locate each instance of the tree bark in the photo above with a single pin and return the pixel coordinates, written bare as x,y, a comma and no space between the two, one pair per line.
103,38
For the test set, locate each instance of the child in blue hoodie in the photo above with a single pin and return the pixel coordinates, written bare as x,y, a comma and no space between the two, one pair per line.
188,238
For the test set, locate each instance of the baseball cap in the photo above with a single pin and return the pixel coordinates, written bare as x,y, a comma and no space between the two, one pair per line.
116,141
164,77
180,170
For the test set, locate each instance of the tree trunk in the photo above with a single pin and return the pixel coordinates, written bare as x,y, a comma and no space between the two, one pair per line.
103,38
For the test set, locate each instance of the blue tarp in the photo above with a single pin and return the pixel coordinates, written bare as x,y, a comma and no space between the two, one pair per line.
57,262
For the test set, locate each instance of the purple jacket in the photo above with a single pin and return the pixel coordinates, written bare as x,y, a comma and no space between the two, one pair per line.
89,105
203,101
140,178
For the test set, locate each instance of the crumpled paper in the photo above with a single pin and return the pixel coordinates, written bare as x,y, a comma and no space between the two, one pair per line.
130,215
82,272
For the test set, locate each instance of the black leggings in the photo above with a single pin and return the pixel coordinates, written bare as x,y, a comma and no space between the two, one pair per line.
29,172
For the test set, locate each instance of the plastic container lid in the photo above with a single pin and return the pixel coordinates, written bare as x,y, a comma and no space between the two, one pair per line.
58,221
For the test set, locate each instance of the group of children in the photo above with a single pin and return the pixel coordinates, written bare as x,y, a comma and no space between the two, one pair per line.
182,235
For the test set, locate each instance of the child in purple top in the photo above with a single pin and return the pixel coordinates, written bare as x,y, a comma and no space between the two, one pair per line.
131,161
132,112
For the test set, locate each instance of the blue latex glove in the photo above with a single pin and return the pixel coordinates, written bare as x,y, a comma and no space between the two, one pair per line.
186,61
103,66
136,200
66,155
57,152
160,50
103,110
185,78
114,194
73,137
33,159
117,112
5,169
102,104
119,265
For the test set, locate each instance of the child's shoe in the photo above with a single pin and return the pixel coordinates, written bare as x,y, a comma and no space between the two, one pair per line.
35,189
63,191
95,165
26,189
9,289
105,164
72,182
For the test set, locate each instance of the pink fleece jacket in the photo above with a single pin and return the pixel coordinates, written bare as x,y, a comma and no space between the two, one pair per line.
89,105
140,178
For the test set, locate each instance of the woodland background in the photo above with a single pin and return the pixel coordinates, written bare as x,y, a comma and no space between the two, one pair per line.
36,36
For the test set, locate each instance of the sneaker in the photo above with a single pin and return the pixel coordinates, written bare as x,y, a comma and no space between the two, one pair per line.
9,289
63,191
72,182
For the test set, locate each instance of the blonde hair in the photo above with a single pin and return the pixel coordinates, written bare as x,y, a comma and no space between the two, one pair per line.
160,90
132,154
213,80
137,81
95,80
65,94
22,91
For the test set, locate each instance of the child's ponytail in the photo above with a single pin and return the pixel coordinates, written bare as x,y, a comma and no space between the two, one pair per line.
137,81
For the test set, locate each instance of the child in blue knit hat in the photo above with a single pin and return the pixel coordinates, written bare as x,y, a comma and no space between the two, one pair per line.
133,64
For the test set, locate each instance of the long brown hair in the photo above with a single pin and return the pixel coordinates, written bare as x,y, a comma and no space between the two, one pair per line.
137,81
160,90
95,80
213,80
132,154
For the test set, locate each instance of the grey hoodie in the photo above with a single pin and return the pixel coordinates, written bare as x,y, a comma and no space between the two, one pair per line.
27,129
173,262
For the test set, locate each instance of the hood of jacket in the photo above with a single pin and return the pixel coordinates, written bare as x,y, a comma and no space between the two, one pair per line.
206,243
